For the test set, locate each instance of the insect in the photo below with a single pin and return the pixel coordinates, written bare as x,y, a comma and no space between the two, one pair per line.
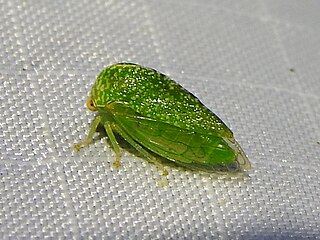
157,116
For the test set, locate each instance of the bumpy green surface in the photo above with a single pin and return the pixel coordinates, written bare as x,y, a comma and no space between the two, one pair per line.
156,96
153,112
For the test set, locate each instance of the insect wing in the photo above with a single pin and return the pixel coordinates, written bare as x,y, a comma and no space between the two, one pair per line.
191,149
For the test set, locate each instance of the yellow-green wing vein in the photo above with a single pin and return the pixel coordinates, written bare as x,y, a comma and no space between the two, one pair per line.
176,144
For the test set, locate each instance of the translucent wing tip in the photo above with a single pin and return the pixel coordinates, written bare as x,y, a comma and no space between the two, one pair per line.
242,159
242,162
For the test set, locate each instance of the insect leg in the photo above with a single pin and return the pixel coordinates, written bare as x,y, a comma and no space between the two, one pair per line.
114,144
140,149
89,138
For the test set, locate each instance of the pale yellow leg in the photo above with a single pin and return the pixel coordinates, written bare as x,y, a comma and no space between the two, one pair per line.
114,144
91,133
140,149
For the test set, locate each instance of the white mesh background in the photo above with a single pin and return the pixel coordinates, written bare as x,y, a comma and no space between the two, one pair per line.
235,56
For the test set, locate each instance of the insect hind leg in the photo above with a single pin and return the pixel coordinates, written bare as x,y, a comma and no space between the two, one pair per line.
140,149
114,144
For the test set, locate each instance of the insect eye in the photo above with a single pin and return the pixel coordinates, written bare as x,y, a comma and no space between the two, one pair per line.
91,105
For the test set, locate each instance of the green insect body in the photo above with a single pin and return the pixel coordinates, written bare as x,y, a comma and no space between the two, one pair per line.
157,116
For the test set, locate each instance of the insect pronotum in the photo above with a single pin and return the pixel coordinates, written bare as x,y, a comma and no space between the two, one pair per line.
157,116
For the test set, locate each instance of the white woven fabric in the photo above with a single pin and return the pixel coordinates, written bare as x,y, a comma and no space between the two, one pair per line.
254,63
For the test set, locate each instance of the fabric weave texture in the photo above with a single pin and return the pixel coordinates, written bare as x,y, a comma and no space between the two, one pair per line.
254,63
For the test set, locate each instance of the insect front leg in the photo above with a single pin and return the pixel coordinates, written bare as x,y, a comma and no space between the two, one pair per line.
114,144
91,133
140,149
